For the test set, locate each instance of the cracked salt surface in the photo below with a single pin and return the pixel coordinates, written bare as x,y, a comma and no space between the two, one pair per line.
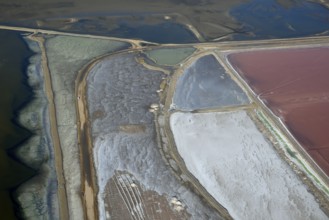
239,168
123,90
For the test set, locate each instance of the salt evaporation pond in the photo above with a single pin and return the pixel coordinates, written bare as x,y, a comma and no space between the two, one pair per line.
170,56
236,164
120,91
205,84
294,85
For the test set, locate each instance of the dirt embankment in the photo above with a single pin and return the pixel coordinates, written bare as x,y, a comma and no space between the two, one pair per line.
62,197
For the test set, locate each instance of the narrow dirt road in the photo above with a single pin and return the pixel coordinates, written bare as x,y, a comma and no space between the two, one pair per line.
88,177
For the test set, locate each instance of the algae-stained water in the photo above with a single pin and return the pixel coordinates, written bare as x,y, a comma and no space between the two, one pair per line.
13,94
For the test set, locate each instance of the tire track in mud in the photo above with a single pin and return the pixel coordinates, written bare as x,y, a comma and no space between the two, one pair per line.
135,202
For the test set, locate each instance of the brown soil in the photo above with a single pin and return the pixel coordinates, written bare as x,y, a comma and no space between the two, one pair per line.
132,128
126,198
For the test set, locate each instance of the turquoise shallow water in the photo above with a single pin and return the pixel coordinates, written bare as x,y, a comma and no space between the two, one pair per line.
13,95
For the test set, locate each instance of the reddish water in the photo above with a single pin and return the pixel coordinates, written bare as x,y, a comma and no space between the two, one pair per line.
294,83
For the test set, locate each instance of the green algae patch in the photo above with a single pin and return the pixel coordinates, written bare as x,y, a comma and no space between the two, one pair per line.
170,56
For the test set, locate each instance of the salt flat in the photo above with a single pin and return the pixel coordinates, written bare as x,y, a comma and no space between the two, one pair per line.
240,168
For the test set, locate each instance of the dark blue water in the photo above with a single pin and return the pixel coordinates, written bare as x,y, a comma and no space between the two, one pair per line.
266,19
161,33
165,32
14,93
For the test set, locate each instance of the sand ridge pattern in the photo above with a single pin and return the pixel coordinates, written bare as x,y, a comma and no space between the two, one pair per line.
128,199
